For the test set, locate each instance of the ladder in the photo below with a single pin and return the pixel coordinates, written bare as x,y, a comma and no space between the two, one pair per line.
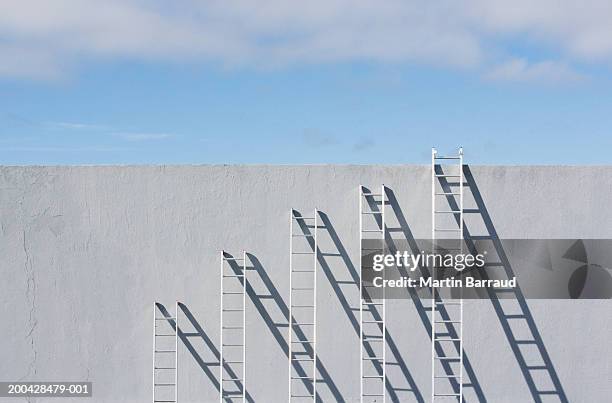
165,355
372,324
232,311
303,247
447,344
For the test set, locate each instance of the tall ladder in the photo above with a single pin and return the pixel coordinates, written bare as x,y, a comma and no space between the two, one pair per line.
232,312
447,344
303,304
372,324
165,355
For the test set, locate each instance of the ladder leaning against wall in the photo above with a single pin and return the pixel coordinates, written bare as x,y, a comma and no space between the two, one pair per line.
165,355
372,313
232,349
447,182
303,246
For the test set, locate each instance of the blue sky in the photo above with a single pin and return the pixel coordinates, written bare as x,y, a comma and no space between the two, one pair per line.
218,83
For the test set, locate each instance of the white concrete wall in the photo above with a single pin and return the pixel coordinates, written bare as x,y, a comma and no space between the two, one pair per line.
86,250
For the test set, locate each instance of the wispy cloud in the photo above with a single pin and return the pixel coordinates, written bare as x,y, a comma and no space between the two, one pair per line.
143,136
520,70
75,126
61,149
44,39
363,144
315,138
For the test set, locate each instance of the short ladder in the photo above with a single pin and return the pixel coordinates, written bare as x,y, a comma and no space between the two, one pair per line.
165,356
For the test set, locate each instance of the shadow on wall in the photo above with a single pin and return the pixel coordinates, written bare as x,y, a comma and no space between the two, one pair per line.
352,281
539,373
271,293
210,369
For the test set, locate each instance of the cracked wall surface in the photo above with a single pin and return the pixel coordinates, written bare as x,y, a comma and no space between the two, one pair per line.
85,251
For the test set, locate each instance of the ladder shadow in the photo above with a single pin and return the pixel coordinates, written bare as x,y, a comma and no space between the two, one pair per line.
205,366
525,313
351,312
423,311
271,293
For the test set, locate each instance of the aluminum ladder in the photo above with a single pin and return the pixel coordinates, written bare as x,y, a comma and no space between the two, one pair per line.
165,355
303,304
372,324
447,344
232,311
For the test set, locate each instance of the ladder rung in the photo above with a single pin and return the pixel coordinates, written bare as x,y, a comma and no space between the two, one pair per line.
536,367
233,275
165,335
373,321
447,376
168,318
165,351
231,379
302,306
446,394
165,384
233,292
232,327
525,342
233,310
370,341
372,303
518,316
302,377
448,303
371,358
447,321
448,194
233,362
302,288
302,253
371,212
448,339
303,218
547,392
447,157
302,324
447,211
302,271
302,235
447,358
447,176
164,368
301,396
301,341
372,249
371,230
232,345
371,194
164,401
233,259
373,376
302,359
372,394
447,229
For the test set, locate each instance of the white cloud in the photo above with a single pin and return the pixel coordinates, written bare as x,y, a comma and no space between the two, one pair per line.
143,136
520,70
44,39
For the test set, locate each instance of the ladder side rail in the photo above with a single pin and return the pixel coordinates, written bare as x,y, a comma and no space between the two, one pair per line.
244,283
314,331
176,363
384,301
432,273
221,330
361,361
290,327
